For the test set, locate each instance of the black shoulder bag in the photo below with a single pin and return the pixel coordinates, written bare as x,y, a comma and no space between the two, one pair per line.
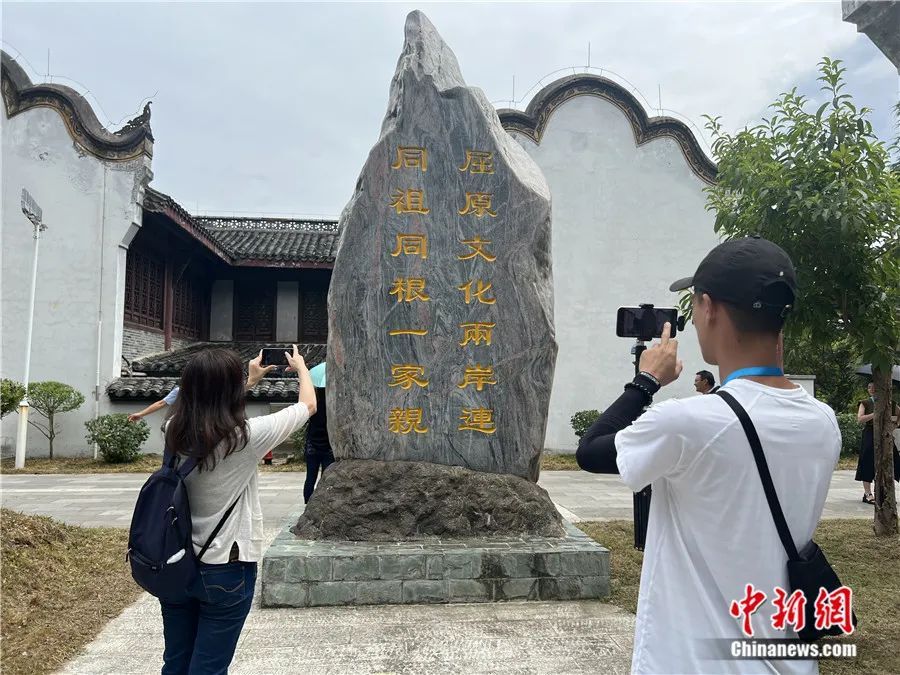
808,569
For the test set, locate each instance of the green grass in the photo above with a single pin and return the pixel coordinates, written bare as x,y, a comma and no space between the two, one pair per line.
867,564
61,585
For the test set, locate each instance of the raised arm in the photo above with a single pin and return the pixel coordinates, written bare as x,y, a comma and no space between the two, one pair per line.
659,366
307,391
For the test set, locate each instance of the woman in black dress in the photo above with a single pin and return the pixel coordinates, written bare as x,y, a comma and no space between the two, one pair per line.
865,467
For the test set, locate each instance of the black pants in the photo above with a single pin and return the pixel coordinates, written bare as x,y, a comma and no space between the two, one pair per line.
316,461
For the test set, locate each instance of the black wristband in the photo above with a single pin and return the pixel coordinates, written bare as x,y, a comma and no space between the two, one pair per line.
644,385
651,384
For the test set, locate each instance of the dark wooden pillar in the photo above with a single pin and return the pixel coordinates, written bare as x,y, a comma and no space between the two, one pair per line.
168,306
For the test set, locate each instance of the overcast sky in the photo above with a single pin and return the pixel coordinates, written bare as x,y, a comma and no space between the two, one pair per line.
272,108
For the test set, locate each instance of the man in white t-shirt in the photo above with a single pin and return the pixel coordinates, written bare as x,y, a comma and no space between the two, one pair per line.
710,531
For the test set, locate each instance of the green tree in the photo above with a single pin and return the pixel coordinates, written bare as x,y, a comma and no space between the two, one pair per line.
11,393
834,364
818,183
50,399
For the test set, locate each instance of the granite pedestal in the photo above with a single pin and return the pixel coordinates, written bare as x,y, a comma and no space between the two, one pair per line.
304,573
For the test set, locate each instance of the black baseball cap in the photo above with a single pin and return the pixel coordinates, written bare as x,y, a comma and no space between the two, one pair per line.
751,273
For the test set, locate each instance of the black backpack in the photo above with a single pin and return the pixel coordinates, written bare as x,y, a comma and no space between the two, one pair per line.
160,547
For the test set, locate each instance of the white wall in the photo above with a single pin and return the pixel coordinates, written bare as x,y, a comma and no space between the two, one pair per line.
89,206
627,221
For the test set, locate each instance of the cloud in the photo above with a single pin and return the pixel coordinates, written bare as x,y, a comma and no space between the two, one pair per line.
272,108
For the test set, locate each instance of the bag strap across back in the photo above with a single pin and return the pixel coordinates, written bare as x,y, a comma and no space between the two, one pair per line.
781,525
183,470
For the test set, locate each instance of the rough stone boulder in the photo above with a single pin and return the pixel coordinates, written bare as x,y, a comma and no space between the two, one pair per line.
441,345
369,500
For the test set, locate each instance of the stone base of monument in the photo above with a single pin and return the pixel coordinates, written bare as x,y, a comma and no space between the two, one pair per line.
306,573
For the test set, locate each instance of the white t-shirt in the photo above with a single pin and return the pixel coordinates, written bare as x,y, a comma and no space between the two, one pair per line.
234,478
710,530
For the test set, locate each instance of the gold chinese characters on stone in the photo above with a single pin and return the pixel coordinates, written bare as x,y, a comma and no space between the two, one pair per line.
405,375
406,420
409,201
476,332
411,244
478,376
478,161
409,289
478,249
478,203
411,157
478,419
478,292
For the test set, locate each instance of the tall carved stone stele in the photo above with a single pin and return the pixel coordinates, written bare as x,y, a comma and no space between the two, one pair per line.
441,346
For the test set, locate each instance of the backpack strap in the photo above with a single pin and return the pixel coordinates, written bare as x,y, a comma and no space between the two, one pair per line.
218,527
762,467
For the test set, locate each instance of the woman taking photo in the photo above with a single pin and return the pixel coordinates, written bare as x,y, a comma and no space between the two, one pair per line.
208,421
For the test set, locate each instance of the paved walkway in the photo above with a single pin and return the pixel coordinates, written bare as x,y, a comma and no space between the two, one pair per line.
533,637
107,499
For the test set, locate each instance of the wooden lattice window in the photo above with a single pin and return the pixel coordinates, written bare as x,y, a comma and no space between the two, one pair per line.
314,319
254,311
187,308
144,284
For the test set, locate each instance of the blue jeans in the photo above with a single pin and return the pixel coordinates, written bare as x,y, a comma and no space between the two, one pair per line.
202,632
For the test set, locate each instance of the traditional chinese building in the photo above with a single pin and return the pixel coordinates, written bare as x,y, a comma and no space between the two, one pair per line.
130,284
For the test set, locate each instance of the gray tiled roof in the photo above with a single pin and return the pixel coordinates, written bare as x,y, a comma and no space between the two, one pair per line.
171,363
281,389
264,241
274,239
162,371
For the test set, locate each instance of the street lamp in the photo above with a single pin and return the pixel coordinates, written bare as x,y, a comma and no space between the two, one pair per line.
34,213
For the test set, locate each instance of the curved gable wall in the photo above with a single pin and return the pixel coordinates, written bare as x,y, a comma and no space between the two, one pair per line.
628,219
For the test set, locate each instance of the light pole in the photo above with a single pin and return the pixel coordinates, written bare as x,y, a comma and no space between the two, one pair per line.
33,212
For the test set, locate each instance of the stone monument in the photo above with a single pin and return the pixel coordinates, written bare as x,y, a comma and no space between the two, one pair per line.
440,362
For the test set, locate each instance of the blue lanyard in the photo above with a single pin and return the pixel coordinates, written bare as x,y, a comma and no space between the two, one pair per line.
755,371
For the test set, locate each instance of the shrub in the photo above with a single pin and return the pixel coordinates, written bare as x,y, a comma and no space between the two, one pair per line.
11,392
50,399
582,420
851,433
298,439
118,440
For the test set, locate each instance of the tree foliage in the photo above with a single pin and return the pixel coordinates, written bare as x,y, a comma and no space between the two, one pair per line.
50,399
818,183
11,393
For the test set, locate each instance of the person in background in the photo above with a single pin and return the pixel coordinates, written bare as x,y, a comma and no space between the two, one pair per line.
317,452
168,399
865,466
208,421
705,383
